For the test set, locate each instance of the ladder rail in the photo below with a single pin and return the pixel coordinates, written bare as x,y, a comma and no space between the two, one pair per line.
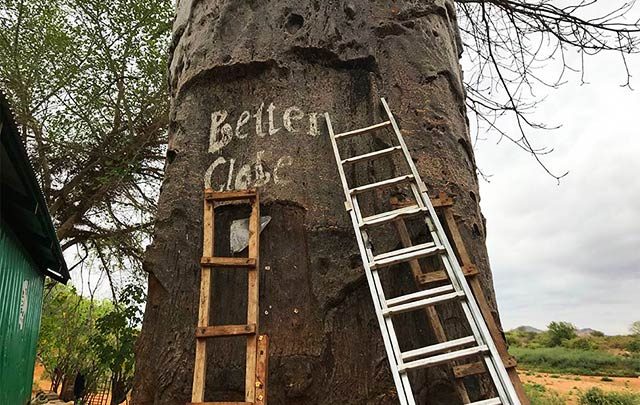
391,355
455,272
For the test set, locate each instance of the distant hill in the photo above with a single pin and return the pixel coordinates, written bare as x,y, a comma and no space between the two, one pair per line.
526,328
585,331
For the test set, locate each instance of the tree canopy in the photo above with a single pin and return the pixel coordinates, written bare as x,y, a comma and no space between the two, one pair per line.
86,82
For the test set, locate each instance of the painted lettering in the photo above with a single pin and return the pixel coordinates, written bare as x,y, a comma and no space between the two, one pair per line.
290,114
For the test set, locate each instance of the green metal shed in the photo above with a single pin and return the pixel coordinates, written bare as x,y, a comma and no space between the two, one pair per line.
29,251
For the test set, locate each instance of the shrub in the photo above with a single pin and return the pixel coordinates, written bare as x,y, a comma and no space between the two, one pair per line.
560,331
606,379
634,345
581,343
595,396
539,395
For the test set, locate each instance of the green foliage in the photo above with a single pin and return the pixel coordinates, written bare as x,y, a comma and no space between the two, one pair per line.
595,396
581,343
539,395
606,379
115,338
95,338
635,328
634,345
573,361
66,328
559,332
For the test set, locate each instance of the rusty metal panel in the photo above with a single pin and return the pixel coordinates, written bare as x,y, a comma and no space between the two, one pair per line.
21,286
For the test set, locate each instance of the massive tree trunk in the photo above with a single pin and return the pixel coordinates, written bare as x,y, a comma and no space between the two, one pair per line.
249,83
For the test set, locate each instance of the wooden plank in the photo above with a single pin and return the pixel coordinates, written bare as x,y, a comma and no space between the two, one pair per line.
469,369
225,330
253,289
262,370
220,403
228,262
481,299
441,201
435,276
478,367
233,195
200,366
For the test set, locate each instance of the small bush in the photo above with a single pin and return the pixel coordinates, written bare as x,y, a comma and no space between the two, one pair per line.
581,343
539,395
606,379
595,396
560,331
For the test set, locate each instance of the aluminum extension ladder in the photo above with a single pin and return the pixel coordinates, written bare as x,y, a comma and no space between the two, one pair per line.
479,343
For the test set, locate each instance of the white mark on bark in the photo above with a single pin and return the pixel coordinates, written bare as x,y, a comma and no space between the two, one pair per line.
219,137
244,118
313,124
290,114
258,117
272,128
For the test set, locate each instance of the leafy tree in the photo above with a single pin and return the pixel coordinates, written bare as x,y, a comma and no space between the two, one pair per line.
558,332
85,80
635,328
114,340
66,329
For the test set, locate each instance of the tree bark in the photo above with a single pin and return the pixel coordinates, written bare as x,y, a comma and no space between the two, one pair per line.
249,82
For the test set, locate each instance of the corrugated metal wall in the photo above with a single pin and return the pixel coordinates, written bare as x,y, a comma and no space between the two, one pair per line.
21,288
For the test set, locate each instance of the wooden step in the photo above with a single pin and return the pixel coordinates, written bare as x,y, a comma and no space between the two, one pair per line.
434,276
220,403
234,195
225,330
229,262
478,367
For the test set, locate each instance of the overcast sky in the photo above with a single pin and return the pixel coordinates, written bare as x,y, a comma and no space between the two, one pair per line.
570,252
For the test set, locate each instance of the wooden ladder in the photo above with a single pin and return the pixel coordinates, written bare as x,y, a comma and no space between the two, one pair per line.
443,204
257,345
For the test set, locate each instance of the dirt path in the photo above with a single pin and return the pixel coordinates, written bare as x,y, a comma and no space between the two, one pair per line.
569,385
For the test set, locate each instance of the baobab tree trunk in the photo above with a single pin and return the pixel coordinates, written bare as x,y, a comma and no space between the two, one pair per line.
249,83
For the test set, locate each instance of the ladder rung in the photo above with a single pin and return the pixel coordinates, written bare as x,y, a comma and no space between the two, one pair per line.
383,183
444,358
418,295
372,155
237,262
225,330
406,254
229,195
492,401
427,302
437,348
389,216
363,130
